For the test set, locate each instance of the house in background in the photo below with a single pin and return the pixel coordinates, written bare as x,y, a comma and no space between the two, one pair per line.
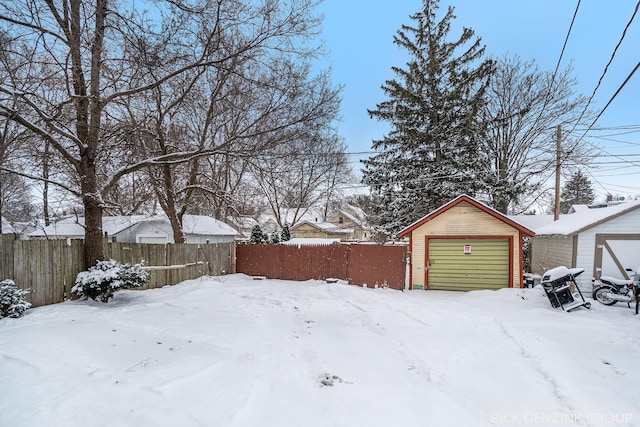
143,229
321,230
602,240
353,218
20,229
348,224
244,225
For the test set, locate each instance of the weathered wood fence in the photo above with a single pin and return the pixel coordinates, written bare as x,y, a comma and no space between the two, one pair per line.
356,263
49,267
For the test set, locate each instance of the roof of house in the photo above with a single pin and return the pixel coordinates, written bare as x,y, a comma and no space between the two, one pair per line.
16,227
355,214
7,226
464,198
324,226
242,222
112,225
582,219
205,225
287,216
532,222
311,241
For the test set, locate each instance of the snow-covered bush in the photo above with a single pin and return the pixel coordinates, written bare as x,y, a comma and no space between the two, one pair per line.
107,277
286,233
12,302
258,236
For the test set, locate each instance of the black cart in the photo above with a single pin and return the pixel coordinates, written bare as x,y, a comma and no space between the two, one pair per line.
560,286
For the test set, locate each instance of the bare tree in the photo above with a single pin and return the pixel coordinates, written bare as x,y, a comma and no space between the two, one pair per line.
524,106
303,174
96,49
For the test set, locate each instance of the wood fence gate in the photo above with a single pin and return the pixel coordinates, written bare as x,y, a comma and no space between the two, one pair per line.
356,263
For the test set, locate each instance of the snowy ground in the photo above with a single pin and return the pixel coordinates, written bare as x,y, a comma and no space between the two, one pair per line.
231,351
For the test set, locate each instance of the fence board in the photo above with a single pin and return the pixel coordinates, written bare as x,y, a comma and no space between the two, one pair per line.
357,264
6,256
378,265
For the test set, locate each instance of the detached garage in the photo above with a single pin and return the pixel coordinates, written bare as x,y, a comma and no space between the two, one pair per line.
465,245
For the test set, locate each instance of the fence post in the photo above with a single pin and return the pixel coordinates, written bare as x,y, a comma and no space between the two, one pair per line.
348,261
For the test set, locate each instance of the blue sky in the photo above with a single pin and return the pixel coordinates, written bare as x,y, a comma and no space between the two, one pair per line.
358,35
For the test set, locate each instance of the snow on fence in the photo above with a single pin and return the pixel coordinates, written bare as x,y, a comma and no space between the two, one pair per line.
358,264
49,267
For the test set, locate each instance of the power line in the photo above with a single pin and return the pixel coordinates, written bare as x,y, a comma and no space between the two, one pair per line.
606,68
622,85
564,45
555,72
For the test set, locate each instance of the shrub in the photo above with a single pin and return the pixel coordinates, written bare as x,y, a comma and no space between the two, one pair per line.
258,236
107,277
12,302
286,233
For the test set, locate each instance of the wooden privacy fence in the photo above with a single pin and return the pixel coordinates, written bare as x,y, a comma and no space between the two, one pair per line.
356,263
49,267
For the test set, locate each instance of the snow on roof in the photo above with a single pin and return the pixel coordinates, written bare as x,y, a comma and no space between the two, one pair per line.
244,222
287,216
532,222
206,225
584,219
355,214
325,226
16,227
74,226
577,208
192,224
7,227
357,211
302,241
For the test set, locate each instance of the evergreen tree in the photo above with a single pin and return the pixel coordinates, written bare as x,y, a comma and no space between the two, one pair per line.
431,153
286,234
258,236
275,238
576,191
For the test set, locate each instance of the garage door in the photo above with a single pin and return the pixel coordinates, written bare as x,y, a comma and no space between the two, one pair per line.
468,264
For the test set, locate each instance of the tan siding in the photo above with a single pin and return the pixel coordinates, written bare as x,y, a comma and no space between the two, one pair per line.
359,233
463,220
550,252
309,231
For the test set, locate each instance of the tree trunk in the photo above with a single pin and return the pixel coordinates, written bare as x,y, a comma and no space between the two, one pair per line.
92,213
171,210
45,187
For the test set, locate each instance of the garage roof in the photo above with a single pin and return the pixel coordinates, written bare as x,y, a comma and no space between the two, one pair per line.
464,198
585,219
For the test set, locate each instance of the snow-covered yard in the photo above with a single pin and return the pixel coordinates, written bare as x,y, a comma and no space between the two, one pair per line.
232,351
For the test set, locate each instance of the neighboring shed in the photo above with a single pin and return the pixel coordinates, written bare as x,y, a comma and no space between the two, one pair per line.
602,240
465,245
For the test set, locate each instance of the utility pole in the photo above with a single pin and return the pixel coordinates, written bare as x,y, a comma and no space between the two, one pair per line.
556,207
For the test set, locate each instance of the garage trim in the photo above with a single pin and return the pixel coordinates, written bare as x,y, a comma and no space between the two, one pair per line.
470,236
603,245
